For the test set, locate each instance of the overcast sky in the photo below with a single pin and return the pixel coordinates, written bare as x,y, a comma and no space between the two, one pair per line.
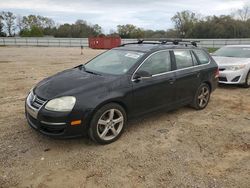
148,14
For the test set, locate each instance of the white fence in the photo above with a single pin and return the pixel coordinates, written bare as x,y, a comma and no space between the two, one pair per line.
77,42
42,41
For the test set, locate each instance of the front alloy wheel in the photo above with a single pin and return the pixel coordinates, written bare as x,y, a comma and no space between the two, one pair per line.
110,124
107,124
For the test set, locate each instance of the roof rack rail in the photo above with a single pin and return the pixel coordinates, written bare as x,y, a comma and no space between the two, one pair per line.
188,42
141,41
164,41
178,41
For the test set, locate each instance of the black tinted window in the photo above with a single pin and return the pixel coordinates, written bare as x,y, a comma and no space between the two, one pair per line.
157,63
202,56
183,59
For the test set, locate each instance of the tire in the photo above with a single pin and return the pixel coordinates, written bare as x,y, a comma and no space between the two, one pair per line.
107,124
202,94
247,81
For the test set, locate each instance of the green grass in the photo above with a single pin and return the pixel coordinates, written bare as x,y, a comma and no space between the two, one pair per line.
211,50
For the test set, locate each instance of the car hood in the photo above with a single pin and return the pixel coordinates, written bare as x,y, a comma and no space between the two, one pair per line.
70,83
230,61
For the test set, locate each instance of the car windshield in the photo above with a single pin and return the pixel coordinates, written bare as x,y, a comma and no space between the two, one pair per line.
241,52
116,62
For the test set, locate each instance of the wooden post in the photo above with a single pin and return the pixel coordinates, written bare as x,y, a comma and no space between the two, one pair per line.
81,50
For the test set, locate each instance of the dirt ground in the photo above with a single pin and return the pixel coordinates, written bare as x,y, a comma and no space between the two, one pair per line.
183,148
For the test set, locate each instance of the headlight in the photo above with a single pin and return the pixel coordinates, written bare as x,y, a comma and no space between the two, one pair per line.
236,67
62,104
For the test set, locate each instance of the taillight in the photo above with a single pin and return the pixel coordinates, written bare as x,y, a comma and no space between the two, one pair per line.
217,73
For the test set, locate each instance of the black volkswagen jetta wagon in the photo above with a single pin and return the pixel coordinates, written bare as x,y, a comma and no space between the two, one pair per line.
99,97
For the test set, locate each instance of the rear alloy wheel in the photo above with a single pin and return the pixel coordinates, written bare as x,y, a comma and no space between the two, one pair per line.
107,124
202,97
247,82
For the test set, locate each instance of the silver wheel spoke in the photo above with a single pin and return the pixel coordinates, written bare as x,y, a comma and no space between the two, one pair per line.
203,90
206,93
205,100
201,102
114,131
104,133
118,120
200,97
102,122
111,114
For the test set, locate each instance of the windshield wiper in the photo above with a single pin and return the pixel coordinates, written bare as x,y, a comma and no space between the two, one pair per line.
91,72
82,67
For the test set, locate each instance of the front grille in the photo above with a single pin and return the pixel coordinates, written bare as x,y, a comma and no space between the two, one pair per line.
223,79
37,102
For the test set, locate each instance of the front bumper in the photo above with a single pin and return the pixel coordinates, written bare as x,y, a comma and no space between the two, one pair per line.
232,77
56,124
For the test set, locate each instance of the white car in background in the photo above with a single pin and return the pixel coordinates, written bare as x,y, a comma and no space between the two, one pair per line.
234,64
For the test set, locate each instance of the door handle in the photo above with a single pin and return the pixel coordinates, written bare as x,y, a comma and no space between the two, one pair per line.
171,80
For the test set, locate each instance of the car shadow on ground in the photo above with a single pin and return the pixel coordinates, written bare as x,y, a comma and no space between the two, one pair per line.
230,86
133,125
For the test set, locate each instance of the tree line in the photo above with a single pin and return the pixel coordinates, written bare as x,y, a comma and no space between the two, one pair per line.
39,26
191,25
187,24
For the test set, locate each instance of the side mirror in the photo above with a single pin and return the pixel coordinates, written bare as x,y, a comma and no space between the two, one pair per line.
142,75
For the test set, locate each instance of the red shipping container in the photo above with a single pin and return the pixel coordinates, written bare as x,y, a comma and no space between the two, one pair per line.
104,42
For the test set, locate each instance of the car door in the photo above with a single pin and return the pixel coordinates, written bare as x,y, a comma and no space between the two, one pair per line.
187,75
157,91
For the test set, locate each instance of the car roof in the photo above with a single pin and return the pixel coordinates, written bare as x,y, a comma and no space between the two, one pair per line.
153,47
237,46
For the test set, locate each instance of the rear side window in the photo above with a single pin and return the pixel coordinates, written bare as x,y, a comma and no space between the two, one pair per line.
183,59
202,56
157,63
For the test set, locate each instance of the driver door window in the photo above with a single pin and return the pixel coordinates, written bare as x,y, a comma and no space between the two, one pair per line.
157,63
